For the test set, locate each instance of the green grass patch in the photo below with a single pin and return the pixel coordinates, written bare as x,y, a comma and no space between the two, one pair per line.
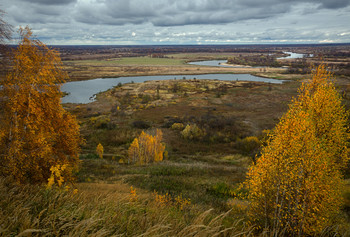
132,61
201,56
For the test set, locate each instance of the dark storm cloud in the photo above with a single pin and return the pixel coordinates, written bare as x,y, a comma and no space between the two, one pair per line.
335,4
184,12
52,2
39,11
168,12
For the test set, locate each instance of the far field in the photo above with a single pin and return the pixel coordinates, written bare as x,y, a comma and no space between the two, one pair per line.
141,66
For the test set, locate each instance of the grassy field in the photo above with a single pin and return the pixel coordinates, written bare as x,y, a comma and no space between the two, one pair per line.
206,56
131,61
138,66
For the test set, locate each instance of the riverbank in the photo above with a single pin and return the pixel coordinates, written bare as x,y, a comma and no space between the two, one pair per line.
147,66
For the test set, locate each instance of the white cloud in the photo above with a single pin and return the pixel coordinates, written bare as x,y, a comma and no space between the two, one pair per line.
182,21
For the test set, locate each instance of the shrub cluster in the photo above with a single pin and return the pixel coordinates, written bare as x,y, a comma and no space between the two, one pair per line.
146,149
193,132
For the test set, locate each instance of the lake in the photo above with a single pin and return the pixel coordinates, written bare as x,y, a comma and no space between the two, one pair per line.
83,92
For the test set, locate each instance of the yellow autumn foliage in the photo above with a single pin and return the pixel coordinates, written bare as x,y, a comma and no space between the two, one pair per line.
146,148
56,175
296,185
36,133
99,150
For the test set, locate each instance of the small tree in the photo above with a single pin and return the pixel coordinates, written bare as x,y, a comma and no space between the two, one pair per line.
296,184
36,133
99,150
146,148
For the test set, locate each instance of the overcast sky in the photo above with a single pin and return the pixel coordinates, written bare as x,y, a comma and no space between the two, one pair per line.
118,22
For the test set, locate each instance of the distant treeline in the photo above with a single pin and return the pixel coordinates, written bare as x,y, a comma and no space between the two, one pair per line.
255,60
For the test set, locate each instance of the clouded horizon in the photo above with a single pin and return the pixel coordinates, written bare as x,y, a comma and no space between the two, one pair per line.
157,22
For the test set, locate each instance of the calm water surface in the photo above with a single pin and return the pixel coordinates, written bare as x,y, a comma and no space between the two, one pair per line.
292,55
83,91
213,63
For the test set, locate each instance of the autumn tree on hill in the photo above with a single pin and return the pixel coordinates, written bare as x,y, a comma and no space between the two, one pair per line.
36,133
296,184
146,148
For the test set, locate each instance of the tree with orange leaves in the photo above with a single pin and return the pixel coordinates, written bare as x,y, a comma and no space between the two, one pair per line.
296,185
36,133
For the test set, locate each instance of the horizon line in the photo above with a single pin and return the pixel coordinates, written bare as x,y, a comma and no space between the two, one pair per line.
201,45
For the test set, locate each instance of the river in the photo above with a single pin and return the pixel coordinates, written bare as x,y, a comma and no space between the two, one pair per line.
83,91
293,55
223,63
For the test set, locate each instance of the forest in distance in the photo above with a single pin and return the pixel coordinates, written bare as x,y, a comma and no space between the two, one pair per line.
175,157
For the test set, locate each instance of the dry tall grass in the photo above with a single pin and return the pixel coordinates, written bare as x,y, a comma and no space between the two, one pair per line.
34,211
110,210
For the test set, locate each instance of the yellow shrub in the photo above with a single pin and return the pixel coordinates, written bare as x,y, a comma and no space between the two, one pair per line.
167,201
101,121
56,174
162,200
99,150
133,194
182,203
177,126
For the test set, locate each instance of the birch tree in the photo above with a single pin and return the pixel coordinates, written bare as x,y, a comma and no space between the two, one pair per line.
36,133
296,185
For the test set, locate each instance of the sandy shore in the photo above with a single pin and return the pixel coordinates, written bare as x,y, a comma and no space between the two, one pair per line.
235,65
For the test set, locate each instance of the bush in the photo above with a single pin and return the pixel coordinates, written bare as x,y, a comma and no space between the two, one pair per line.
193,132
248,145
219,128
101,122
169,121
177,126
